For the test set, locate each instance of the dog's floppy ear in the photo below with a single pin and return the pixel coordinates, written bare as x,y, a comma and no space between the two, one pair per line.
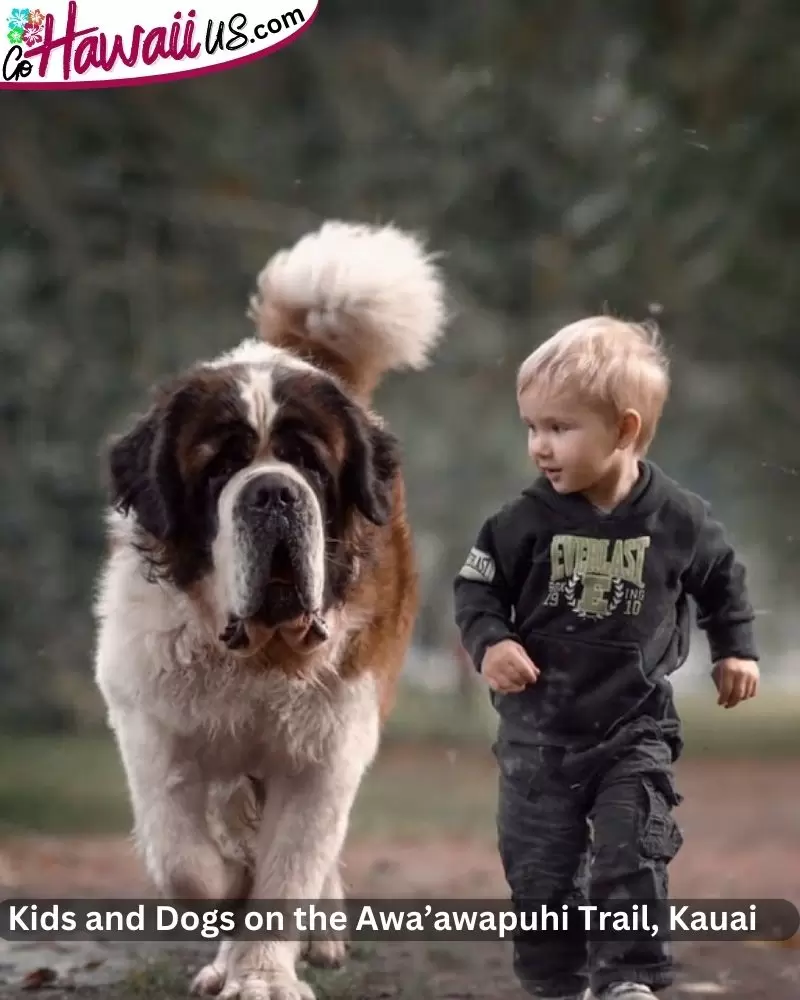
369,470
129,457
144,472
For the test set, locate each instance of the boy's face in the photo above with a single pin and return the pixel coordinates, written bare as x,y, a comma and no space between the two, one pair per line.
573,445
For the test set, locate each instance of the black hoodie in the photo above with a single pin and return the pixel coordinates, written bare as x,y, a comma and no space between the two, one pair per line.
599,602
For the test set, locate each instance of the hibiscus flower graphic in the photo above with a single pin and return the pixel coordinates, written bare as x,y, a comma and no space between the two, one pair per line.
32,34
19,18
25,25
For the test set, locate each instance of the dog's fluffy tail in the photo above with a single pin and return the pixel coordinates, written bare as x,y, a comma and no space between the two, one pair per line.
358,300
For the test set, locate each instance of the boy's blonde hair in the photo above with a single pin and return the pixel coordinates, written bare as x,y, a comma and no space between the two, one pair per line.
606,362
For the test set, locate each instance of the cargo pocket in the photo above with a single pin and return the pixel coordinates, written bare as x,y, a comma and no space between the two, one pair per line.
661,837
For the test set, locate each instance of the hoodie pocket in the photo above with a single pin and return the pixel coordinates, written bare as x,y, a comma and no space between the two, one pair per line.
585,688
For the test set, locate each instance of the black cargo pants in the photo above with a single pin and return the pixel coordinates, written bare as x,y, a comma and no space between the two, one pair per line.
595,827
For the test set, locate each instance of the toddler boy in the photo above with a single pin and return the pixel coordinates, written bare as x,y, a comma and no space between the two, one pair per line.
572,604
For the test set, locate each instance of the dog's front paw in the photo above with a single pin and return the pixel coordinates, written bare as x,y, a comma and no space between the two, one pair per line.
266,986
256,973
325,953
209,981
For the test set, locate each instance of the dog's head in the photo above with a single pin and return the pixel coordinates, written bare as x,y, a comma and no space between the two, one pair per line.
262,474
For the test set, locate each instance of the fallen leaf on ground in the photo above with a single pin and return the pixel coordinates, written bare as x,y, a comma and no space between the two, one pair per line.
38,978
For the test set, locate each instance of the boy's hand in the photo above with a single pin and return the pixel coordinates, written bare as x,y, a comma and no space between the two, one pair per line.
736,680
508,668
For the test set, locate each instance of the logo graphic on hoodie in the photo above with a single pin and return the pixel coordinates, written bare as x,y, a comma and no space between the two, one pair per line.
479,566
597,576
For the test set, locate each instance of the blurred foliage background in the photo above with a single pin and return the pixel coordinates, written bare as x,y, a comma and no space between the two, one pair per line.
564,158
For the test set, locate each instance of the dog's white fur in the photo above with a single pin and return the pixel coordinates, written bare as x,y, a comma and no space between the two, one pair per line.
364,289
189,719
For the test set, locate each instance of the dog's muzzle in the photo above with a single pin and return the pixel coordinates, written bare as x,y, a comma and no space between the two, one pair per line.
274,528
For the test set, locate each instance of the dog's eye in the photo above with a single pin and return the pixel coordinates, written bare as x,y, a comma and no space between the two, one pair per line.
227,468
290,452
224,465
226,462
298,451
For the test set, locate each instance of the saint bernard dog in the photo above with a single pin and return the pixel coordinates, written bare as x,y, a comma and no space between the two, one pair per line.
259,590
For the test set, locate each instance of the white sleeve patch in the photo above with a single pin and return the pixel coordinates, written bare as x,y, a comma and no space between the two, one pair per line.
479,566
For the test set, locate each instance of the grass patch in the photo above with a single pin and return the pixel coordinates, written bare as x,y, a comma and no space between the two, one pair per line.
439,717
162,979
340,984
61,784
764,727
419,792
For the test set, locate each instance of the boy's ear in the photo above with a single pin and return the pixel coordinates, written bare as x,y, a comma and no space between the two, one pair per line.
630,425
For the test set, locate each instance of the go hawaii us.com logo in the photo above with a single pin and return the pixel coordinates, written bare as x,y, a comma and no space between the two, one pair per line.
94,43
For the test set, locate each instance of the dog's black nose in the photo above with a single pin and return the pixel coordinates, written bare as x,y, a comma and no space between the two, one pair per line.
270,491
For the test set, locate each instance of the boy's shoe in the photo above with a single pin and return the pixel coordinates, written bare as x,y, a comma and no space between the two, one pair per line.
586,995
571,996
626,991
